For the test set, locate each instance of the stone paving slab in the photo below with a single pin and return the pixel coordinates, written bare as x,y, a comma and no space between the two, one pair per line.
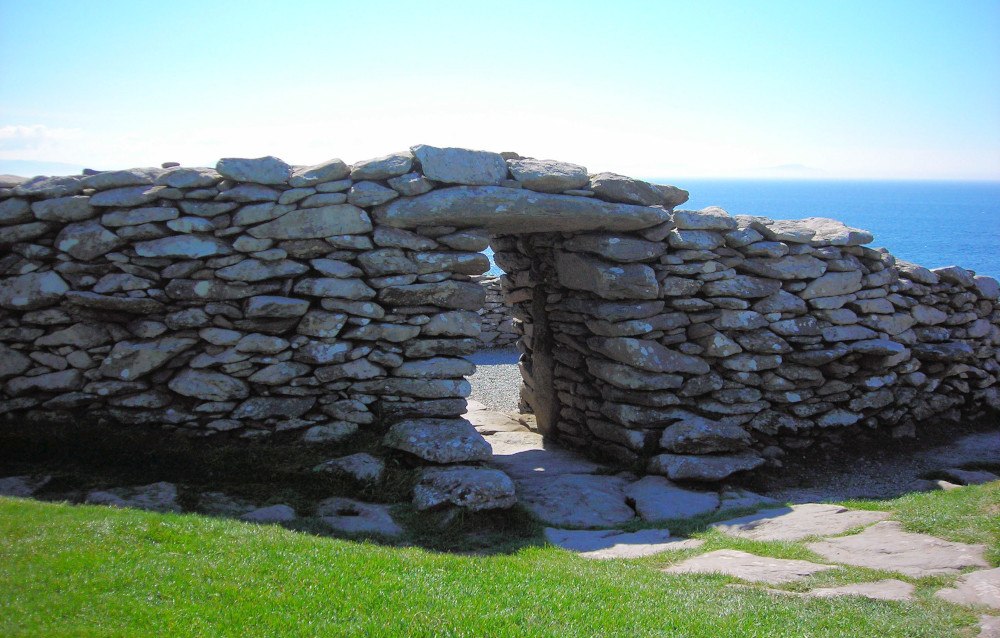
889,589
488,422
749,567
989,627
525,455
657,499
605,544
576,500
798,522
978,588
888,547
357,517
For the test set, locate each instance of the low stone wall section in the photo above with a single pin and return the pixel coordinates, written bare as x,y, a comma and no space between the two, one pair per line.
259,298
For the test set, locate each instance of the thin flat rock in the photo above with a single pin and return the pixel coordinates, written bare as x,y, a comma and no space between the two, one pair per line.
524,455
798,522
978,588
605,544
488,422
576,500
889,589
749,567
886,546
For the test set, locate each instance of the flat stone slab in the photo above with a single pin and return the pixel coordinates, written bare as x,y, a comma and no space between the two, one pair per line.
749,567
989,626
657,499
605,544
886,546
798,522
489,422
356,517
155,497
889,589
977,588
576,500
524,455
512,210
22,486
969,477
272,514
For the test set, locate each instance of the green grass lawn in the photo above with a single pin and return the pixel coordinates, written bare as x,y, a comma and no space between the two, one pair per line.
93,571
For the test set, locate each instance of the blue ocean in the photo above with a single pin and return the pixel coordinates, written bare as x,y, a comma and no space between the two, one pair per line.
930,223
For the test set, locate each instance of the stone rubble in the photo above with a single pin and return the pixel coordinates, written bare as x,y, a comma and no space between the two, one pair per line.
259,298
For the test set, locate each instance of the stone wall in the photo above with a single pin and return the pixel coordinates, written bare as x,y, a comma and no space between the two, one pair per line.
498,329
263,299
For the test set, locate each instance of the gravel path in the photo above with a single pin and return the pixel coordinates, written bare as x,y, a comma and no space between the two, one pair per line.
496,383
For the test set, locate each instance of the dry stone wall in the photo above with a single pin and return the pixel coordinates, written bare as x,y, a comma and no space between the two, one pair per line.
498,329
260,299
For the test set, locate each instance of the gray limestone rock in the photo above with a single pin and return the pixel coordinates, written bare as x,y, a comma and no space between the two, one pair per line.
87,240
47,187
116,179
698,435
647,355
411,184
328,171
608,281
156,497
618,188
63,381
798,521
130,360
260,170
183,247
548,176
383,167
709,468
361,467
577,500
447,294
128,196
259,408
339,219
271,514
365,194
353,289
12,362
32,291
656,500
208,386
512,210
711,218
461,166
616,247
886,546
182,177
435,368
331,432
980,588
61,209
18,211
275,307
356,517
22,486
439,440
610,544
749,567
472,488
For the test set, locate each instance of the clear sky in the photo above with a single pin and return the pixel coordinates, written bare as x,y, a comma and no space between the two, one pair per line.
809,88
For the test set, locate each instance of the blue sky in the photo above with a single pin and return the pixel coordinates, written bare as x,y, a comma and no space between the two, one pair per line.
843,89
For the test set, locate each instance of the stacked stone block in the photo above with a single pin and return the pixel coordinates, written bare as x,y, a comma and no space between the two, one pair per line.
498,329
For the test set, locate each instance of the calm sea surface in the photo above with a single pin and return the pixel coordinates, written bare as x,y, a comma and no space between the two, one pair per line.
929,223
